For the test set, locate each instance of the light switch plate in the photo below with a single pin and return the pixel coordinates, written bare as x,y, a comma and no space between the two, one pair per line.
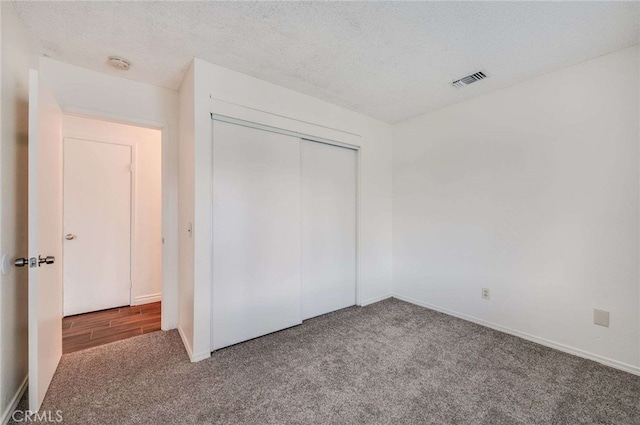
601,317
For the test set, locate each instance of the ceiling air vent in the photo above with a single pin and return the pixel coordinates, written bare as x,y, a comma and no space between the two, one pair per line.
465,81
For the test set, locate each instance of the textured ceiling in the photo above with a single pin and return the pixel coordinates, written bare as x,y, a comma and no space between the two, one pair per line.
389,60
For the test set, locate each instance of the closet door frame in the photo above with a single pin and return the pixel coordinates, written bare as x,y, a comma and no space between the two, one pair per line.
302,136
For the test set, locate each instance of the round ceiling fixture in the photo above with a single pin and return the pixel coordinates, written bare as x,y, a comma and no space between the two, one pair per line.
119,63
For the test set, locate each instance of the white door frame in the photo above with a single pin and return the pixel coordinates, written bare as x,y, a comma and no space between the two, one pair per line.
132,204
164,131
303,136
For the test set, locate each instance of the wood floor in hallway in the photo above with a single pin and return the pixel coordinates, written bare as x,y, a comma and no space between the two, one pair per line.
101,327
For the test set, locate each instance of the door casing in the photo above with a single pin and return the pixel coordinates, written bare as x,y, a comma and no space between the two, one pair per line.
169,291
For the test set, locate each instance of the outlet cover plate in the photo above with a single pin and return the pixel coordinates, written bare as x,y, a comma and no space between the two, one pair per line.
601,317
486,294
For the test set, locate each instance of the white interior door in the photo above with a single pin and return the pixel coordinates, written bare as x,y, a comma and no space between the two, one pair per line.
328,228
256,227
97,225
45,231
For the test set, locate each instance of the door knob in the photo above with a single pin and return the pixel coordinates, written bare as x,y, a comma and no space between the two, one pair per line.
46,260
70,236
21,262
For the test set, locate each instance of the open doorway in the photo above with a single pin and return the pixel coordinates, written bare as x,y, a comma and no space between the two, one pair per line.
112,227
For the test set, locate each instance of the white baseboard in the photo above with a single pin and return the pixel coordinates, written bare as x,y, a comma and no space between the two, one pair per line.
185,342
548,343
146,299
194,358
200,356
375,300
6,415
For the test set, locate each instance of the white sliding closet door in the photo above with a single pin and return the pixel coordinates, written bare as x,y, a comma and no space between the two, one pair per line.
328,228
256,233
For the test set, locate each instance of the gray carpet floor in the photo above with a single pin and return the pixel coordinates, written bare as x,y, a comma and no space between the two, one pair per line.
388,363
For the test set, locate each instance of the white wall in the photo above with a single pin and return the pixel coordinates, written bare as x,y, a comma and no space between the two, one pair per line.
17,57
147,225
533,192
225,92
102,96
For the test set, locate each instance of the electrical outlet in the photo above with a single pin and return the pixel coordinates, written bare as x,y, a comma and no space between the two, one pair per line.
485,293
601,317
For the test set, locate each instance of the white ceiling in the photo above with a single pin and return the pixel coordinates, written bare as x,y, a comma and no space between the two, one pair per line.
389,60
